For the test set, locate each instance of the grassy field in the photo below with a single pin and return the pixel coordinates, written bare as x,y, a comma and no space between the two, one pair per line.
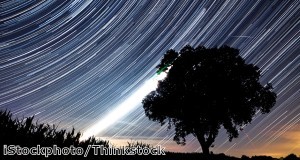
27,134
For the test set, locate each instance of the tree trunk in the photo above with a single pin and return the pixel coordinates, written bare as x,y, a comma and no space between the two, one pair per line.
205,144
205,149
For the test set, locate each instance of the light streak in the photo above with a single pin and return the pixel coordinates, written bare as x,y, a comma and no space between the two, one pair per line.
124,108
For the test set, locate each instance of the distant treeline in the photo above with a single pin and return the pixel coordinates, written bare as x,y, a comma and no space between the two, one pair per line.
26,133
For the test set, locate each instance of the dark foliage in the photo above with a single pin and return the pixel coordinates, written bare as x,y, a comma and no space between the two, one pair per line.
262,158
25,133
206,89
291,157
244,157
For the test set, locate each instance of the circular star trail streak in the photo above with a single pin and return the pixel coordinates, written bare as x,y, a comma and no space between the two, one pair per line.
72,63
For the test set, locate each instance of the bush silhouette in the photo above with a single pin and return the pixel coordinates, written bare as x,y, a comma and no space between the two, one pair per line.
291,157
27,134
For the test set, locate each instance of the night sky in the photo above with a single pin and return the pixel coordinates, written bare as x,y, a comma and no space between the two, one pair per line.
85,63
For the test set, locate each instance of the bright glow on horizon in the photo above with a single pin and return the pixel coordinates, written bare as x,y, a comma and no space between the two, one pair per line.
125,107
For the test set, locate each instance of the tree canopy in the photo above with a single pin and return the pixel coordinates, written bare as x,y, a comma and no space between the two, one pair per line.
206,89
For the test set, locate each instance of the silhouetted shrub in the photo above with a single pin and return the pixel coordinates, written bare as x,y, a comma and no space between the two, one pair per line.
244,157
25,133
291,157
262,158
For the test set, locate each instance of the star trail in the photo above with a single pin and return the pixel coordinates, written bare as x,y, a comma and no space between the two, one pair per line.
73,63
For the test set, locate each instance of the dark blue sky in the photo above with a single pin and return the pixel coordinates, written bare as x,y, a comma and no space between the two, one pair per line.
73,62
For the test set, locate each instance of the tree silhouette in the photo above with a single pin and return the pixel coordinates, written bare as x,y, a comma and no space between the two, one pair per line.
206,89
